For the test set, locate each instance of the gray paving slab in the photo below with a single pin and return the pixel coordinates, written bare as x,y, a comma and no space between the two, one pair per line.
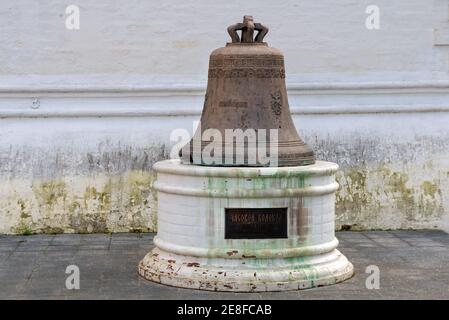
412,264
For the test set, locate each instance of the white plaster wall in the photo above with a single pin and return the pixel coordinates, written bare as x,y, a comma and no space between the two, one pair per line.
84,114
324,39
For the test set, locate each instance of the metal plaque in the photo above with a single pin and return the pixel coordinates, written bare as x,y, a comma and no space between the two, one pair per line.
255,223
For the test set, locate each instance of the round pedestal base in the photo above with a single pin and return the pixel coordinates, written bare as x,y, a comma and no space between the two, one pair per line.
245,229
245,275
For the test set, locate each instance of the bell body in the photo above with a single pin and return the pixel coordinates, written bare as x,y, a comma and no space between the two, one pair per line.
251,227
246,90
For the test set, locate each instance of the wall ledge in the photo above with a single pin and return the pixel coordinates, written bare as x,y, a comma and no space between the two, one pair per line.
49,99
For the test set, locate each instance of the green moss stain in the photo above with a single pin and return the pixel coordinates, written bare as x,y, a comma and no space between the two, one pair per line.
120,203
252,183
365,195
397,185
139,191
139,183
429,189
153,207
125,197
354,194
126,202
24,229
50,192
74,207
52,230
24,213
90,213
102,199
302,181
429,200
25,224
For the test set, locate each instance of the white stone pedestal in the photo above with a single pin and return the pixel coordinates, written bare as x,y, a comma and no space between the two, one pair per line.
191,249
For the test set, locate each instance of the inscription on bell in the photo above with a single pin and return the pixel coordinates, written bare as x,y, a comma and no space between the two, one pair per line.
255,223
233,104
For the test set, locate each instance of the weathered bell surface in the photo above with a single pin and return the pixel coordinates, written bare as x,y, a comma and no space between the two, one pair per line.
246,117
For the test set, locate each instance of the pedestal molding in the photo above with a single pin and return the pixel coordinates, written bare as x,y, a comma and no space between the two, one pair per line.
236,253
244,193
174,166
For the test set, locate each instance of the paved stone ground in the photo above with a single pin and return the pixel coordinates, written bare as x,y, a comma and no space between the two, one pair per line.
413,265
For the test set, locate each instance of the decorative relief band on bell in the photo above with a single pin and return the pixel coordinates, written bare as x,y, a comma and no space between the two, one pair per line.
262,66
246,73
262,61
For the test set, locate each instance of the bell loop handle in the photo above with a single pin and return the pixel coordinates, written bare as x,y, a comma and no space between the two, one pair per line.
247,27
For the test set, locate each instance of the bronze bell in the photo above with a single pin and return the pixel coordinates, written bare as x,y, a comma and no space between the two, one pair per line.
246,90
